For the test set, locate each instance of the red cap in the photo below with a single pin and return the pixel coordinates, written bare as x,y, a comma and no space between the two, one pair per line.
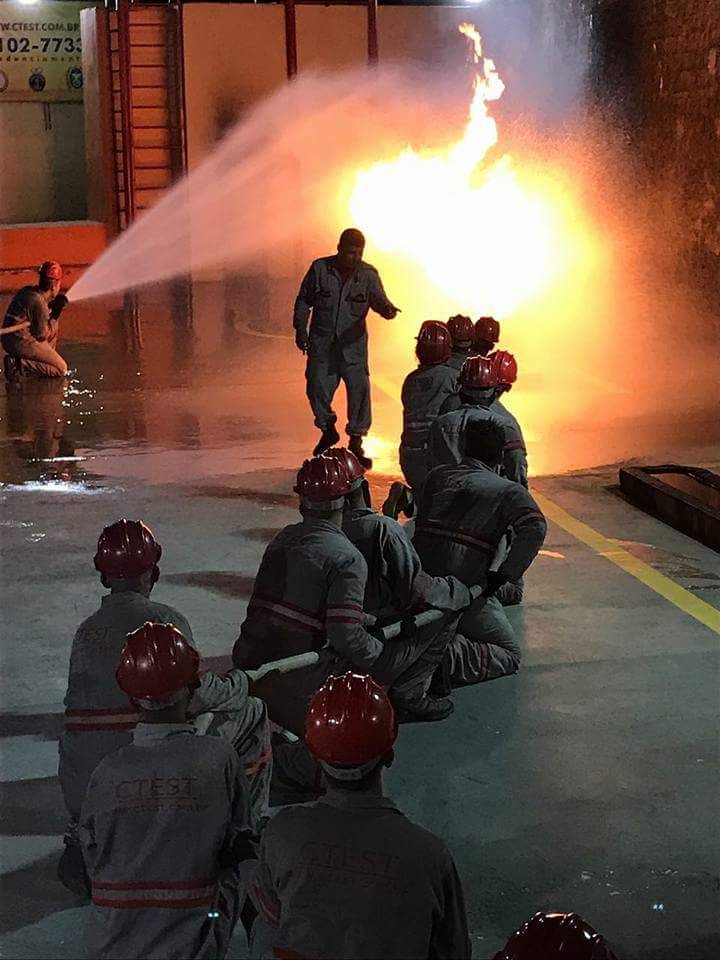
126,549
434,343
488,329
461,328
556,936
156,662
51,270
350,724
349,462
504,367
322,479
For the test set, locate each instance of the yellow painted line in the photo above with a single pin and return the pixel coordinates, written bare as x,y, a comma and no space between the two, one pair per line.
671,591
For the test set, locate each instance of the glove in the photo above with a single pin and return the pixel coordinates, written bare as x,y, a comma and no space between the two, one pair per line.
408,628
57,305
493,581
301,341
392,312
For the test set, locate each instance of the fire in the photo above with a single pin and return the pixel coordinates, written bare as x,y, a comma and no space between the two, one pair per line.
479,232
463,229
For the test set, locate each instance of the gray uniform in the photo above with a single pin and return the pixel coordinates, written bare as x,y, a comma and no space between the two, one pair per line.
465,514
350,876
33,347
338,341
445,443
458,356
423,394
160,829
308,595
99,719
396,581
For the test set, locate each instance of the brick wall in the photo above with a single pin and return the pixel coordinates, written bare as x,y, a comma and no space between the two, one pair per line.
657,63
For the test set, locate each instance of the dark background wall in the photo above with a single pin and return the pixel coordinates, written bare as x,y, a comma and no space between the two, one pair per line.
655,65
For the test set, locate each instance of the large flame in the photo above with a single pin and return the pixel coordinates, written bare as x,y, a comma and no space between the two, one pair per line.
463,229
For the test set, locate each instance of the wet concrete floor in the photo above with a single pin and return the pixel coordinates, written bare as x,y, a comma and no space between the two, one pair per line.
588,782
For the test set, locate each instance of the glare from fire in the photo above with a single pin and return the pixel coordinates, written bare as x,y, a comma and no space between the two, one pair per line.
463,229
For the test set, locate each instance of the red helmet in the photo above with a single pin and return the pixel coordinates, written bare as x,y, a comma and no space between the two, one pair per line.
127,549
504,368
488,329
434,343
556,936
156,662
477,374
461,328
322,480
51,270
350,725
350,462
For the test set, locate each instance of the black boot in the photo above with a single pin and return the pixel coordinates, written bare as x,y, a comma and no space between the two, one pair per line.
355,446
329,438
399,500
425,711
441,685
12,369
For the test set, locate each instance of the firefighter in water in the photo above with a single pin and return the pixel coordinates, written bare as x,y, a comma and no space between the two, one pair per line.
32,318
339,290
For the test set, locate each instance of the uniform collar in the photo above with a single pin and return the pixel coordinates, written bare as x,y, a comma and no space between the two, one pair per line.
361,800
145,734
476,464
319,523
359,512
122,597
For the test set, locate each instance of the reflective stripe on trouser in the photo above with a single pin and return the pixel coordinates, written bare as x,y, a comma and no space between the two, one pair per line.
254,749
407,666
323,376
484,647
413,463
41,358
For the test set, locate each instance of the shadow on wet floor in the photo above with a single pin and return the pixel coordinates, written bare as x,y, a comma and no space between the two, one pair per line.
46,725
225,583
31,893
240,493
32,807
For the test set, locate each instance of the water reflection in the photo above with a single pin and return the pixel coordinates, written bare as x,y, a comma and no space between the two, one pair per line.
158,371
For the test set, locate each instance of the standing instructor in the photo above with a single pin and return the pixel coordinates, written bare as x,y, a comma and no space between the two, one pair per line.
339,290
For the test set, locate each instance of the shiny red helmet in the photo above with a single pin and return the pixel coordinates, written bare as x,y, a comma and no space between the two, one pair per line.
350,725
556,936
51,270
350,462
126,549
323,481
461,328
487,330
157,663
434,343
477,374
504,368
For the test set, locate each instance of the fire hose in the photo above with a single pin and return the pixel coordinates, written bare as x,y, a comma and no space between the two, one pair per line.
15,327
392,630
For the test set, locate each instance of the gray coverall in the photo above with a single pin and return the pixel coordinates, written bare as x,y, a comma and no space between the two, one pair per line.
445,444
458,357
423,394
350,876
396,582
465,513
33,347
160,830
308,595
99,719
338,340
